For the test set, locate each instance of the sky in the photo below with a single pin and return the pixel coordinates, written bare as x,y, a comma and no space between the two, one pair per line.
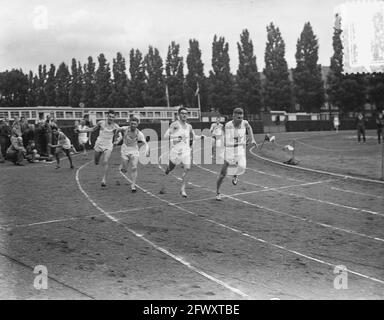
34,32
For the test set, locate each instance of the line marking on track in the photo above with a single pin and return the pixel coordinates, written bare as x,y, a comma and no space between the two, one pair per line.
158,248
288,214
255,238
358,193
331,203
317,171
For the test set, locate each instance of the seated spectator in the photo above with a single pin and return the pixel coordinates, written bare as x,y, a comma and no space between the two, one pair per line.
16,152
31,152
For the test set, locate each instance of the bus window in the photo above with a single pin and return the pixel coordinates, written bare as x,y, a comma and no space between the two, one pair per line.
15,114
59,115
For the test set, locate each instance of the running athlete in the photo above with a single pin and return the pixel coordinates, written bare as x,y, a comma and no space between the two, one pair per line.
235,142
63,145
83,136
180,134
217,135
104,143
130,150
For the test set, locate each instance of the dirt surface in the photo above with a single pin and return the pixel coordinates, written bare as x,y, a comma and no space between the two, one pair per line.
280,233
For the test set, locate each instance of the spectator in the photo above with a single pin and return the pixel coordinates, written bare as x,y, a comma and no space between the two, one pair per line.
49,138
17,126
277,120
31,152
16,151
28,134
24,124
5,133
336,123
380,125
360,124
40,137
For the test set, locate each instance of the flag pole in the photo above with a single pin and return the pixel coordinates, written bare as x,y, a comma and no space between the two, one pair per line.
167,95
198,100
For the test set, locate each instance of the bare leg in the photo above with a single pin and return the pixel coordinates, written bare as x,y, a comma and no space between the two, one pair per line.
57,156
169,169
134,161
68,153
184,181
222,175
105,161
97,157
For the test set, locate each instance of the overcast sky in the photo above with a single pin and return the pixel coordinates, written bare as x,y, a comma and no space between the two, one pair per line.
79,28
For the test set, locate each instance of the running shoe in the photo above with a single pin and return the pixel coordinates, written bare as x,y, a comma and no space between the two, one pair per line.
235,180
219,197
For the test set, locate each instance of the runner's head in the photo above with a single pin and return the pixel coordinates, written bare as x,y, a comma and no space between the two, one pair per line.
133,123
110,116
218,119
238,114
183,114
55,131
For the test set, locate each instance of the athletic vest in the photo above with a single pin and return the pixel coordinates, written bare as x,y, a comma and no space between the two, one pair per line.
235,137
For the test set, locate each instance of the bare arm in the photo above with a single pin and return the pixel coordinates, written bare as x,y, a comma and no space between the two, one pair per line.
250,133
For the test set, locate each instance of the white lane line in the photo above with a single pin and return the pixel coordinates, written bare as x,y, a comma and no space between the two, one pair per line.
358,193
166,252
291,215
302,196
258,239
8,227
316,171
330,203
275,175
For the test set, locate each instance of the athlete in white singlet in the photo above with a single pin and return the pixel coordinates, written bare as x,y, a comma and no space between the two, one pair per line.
217,135
63,145
104,143
83,136
180,134
130,149
235,142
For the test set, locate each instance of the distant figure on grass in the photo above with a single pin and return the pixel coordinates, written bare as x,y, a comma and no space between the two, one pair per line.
130,149
104,143
336,123
180,134
217,135
63,145
380,125
234,153
360,124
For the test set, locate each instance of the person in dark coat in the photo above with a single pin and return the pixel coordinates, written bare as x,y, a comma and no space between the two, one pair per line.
360,125
379,125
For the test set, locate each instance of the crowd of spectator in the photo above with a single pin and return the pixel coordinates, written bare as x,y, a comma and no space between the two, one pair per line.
21,141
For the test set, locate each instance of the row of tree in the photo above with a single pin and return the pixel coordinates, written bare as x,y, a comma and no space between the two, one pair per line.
150,82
